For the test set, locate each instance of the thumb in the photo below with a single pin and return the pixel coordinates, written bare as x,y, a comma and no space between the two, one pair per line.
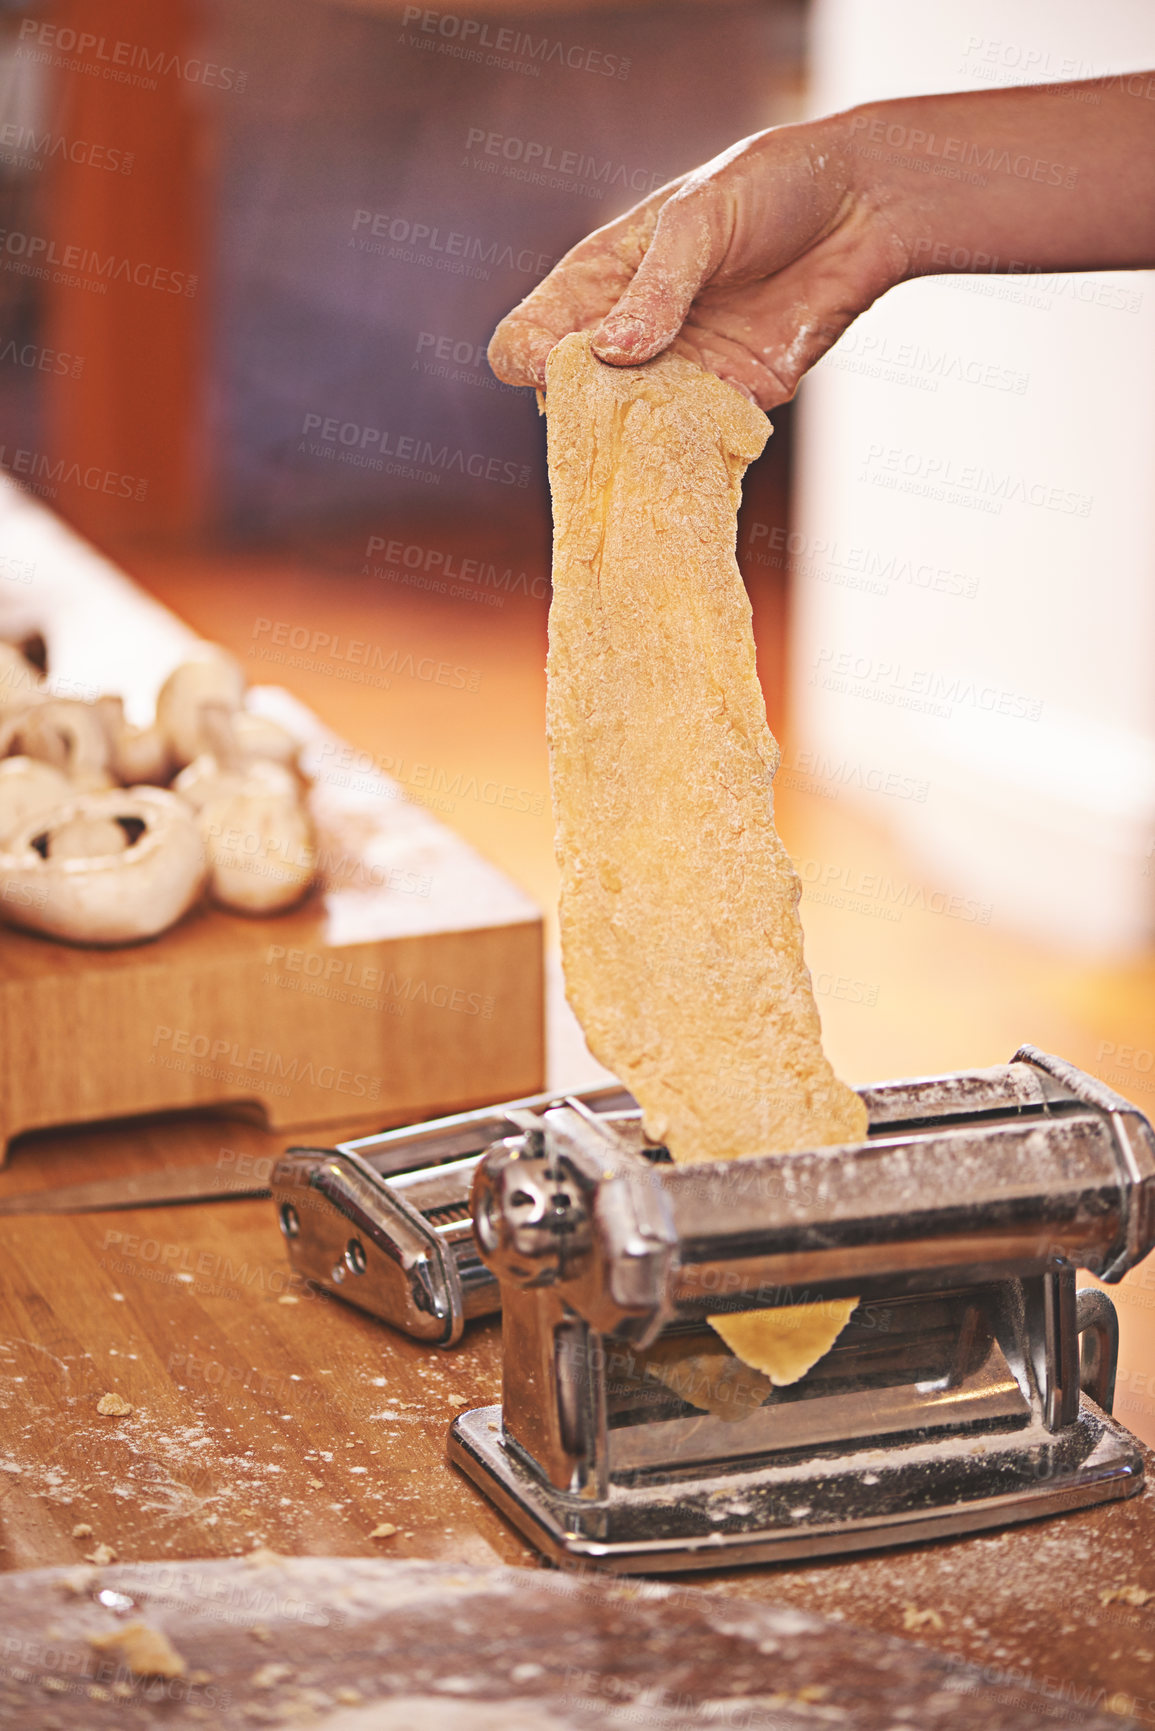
651,312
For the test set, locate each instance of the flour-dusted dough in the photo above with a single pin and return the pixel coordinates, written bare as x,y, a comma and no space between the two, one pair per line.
705,1374
681,940
784,1344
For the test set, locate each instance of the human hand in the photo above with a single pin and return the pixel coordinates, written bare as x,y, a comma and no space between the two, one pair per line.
752,265
755,263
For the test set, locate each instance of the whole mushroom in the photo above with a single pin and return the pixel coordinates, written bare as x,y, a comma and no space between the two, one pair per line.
257,834
238,739
259,841
136,754
105,893
210,677
206,779
260,738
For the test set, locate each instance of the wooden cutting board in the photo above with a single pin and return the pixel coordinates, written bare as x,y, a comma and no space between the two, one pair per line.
350,1644
410,981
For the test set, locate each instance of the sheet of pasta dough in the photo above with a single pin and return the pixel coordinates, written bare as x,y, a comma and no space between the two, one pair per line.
681,941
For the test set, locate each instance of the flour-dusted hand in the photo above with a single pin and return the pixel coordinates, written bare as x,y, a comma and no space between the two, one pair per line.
752,265
755,263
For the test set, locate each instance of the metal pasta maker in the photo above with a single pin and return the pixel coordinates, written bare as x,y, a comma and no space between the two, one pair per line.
384,1221
971,1388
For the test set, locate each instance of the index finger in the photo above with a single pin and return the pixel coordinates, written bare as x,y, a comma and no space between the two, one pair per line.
578,292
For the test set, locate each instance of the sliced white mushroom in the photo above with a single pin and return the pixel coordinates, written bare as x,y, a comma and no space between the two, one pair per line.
208,677
65,733
104,898
136,754
260,844
27,787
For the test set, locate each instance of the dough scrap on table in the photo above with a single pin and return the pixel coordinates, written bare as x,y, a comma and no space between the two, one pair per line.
681,941
146,1651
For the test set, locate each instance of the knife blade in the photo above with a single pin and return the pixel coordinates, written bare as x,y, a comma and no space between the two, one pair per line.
143,1190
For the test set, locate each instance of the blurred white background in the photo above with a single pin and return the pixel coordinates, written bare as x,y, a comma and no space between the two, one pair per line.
974,599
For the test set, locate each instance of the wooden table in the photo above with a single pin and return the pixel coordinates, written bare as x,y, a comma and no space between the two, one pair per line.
266,1416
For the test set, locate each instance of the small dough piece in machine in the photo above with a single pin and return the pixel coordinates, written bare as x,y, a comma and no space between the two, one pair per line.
681,941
